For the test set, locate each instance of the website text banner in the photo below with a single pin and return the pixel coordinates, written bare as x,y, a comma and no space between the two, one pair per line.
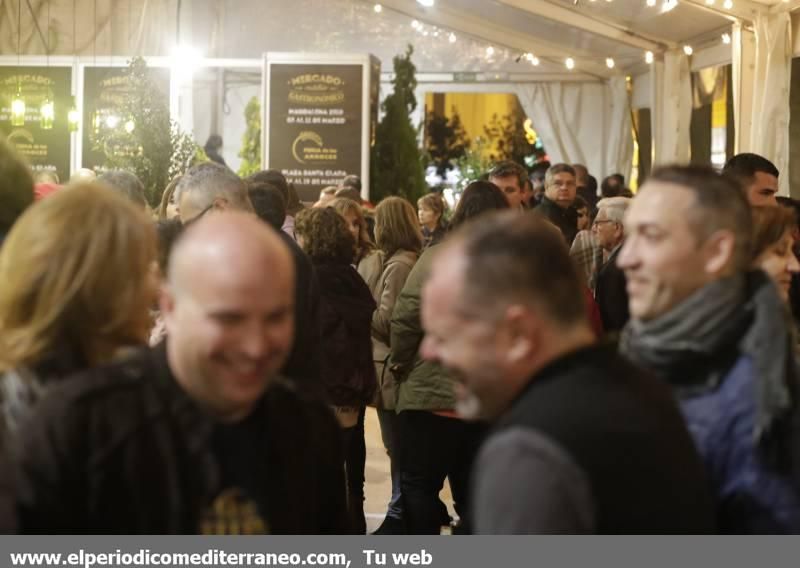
393,552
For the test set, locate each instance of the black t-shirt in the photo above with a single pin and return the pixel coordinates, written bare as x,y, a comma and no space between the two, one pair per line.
241,504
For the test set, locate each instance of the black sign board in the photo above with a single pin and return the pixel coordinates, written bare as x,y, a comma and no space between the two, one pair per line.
315,123
43,148
104,90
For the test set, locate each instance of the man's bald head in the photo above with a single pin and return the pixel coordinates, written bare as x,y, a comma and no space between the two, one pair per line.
228,239
229,311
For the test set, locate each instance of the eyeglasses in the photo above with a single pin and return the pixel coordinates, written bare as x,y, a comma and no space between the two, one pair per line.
199,216
597,223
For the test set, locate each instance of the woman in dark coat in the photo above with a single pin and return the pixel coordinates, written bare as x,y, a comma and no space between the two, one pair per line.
346,307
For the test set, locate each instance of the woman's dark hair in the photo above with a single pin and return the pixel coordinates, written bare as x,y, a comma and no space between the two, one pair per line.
167,231
268,203
325,236
479,197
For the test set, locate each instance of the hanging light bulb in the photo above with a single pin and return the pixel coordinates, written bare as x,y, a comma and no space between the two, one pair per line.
112,121
18,110
728,4
415,24
668,6
489,51
610,62
726,38
687,49
652,3
378,8
710,2
73,117
451,38
570,63
534,61
47,113
130,126
648,57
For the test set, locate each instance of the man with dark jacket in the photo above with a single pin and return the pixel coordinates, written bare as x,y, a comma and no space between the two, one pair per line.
199,435
720,336
557,204
583,441
610,286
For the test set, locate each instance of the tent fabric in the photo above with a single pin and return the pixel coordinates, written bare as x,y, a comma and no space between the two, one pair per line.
586,123
671,108
769,130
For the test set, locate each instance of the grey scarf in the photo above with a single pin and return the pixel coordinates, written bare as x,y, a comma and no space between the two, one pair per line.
697,342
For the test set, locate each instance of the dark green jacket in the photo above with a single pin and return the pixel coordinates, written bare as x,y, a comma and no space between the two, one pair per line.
422,385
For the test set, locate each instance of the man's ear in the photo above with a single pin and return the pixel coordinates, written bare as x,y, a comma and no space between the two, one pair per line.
718,251
221,203
522,331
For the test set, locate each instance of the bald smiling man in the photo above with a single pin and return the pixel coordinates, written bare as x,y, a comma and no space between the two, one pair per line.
200,434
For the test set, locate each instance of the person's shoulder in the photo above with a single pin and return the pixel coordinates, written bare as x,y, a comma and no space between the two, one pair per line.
288,403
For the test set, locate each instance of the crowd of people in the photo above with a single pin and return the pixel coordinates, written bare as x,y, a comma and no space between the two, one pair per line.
571,358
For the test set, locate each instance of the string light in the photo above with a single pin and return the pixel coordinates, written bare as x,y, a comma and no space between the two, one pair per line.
378,8
648,57
112,121
652,3
609,62
728,4
130,126
687,49
570,63
489,51
415,24
726,38
451,38
534,61
668,6
426,3
710,2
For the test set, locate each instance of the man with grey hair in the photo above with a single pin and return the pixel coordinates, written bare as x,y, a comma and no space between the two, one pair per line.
126,184
583,441
208,186
610,285
560,188
721,336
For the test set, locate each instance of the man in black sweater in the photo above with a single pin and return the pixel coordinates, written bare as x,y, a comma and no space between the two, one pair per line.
201,434
583,442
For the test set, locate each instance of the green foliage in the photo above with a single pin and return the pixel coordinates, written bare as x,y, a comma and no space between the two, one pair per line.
396,164
251,140
445,140
507,138
473,163
156,150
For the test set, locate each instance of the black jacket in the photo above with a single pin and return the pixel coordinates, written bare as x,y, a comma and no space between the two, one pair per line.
565,219
611,294
303,364
121,449
346,307
623,431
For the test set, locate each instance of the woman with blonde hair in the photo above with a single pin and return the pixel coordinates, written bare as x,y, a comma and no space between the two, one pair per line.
78,282
399,241
356,224
168,209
